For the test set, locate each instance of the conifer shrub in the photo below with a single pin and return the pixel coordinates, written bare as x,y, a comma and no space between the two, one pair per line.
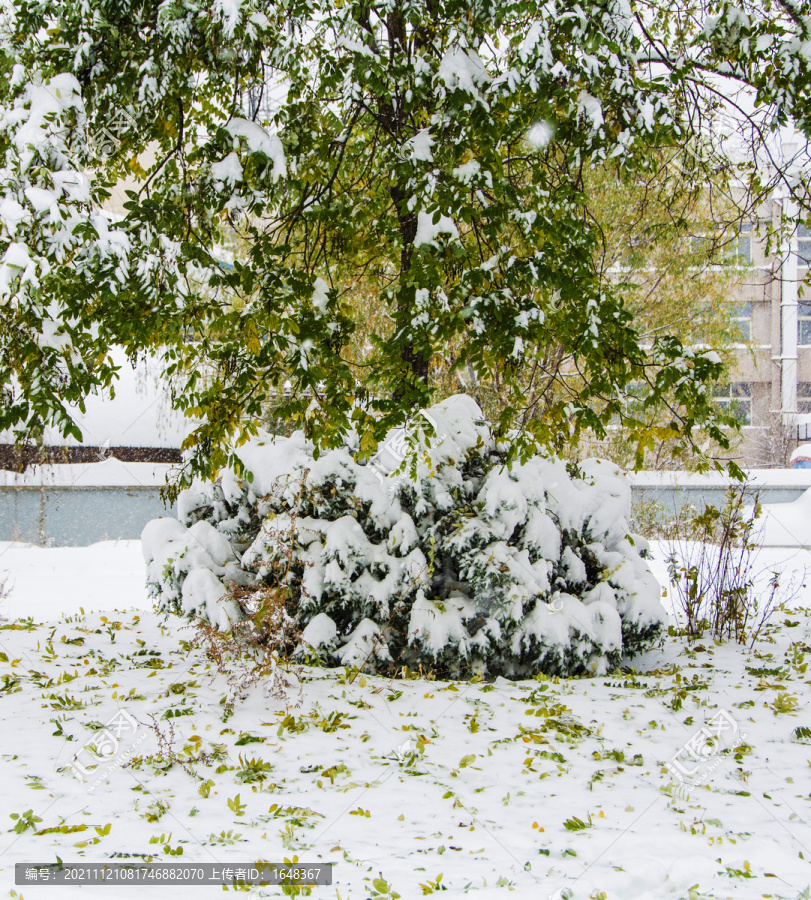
457,565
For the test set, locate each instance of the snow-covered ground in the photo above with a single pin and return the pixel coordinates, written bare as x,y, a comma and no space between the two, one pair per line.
787,524
46,583
540,786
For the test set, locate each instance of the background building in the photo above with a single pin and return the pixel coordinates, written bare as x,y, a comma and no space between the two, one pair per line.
770,385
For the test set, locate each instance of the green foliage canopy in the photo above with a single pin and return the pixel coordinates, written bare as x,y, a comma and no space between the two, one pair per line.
434,149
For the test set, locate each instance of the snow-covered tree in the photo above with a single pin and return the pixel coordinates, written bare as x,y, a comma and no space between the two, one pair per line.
277,153
465,567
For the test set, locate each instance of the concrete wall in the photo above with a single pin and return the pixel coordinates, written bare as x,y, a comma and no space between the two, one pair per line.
674,498
77,516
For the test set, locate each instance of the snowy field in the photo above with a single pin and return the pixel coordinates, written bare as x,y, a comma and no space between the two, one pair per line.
682,778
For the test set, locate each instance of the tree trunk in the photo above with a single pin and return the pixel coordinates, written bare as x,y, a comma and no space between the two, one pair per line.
416,363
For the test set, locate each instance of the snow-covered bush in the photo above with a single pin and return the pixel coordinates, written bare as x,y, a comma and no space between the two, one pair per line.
462,566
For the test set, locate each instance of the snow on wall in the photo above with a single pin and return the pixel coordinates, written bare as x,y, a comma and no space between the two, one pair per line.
107,473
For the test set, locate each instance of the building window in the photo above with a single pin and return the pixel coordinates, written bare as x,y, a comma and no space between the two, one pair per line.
702,246
804,323
804,396
736,399
744,247
804,246
742,322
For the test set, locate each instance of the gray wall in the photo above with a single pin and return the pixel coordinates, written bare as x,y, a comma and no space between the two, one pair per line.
77,516
673,499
